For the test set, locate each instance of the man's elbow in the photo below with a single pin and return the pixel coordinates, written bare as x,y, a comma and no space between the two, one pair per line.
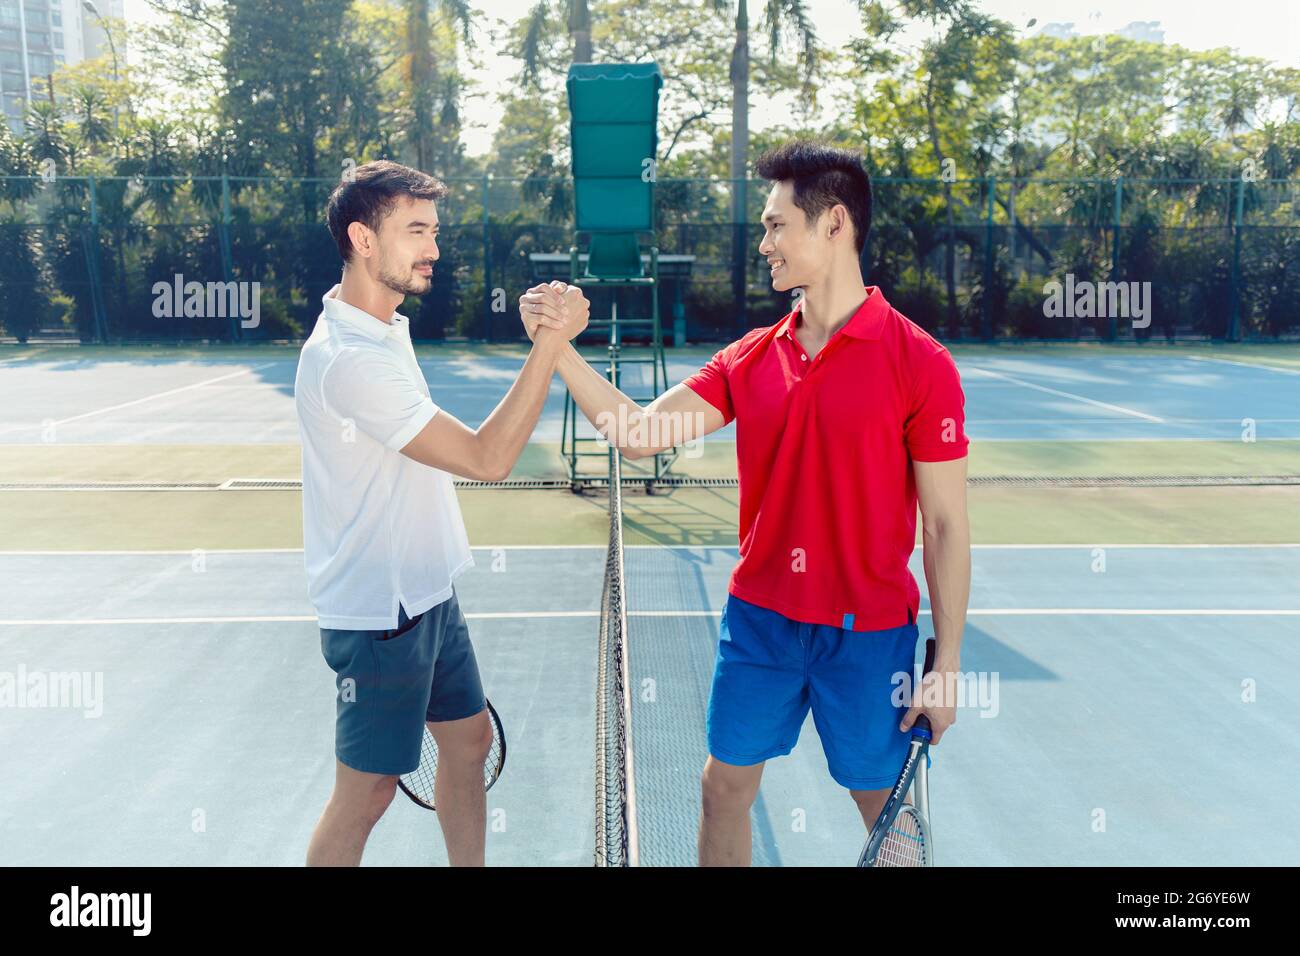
943,525
495,471
489,465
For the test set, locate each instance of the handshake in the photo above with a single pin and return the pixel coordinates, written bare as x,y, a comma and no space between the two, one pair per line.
554,309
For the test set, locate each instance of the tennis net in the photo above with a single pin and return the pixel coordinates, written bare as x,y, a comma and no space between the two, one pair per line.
616,840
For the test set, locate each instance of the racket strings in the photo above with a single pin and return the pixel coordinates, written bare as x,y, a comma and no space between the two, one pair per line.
420,781
904,844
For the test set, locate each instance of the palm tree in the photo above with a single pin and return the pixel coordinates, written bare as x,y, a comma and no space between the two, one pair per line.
420,73
45,130
777,15
17,164
577,18
89,109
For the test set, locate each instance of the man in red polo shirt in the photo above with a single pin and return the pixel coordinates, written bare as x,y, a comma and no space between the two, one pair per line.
847,416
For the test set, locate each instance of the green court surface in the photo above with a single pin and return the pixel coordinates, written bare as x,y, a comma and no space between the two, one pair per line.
100,518
713,459
128,520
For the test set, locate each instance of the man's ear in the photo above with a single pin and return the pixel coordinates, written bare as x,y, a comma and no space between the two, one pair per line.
839,220
362,239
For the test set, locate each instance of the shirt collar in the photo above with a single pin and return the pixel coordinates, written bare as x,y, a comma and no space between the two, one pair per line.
339,311
866,323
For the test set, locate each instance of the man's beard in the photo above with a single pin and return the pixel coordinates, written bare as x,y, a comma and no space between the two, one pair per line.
412,285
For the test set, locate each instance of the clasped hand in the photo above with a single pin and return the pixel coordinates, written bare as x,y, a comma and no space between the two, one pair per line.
554,308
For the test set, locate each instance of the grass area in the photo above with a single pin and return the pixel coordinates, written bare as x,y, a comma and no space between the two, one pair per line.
87,521
717,459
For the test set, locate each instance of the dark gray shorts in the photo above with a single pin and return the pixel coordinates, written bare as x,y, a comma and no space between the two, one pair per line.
390,682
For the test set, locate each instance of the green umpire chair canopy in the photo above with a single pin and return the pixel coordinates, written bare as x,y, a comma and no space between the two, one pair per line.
614,109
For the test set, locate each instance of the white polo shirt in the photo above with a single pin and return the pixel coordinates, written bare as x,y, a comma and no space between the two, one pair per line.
379,529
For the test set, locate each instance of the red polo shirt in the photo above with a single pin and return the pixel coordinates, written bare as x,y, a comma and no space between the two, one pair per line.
824,448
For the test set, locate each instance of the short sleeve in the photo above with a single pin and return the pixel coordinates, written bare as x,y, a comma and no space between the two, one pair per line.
712,385
935,429
378,396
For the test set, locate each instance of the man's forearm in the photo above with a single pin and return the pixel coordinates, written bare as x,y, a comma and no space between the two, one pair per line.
946,557
597,397
506,431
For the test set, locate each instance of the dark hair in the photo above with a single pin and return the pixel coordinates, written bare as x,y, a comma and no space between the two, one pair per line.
371,193
822,176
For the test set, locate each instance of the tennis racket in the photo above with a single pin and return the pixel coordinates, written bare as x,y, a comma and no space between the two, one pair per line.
901,834
418,784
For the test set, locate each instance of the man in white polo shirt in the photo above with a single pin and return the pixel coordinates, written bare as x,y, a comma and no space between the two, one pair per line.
382,531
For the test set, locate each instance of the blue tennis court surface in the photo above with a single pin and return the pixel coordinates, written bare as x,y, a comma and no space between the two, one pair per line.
1126,716
1011,395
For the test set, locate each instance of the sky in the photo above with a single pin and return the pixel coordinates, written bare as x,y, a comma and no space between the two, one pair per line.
1269,29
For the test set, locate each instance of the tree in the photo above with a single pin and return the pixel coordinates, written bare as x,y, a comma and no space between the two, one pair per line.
778,16
532,48
423,78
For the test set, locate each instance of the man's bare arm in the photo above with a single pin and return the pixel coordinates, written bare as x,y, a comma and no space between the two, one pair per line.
945,532
490,451
676,417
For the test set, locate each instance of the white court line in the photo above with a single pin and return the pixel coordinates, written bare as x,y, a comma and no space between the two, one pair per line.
1114,421
139,401
536,615
1031,611
1131,612
1135,547
250,386
187,551
1270,368
1078,398
1128,438
650,547
22,358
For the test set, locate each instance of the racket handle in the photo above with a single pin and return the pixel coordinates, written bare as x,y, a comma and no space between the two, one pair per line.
921,729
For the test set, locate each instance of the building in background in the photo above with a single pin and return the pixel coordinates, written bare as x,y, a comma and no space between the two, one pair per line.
1149,31
39,36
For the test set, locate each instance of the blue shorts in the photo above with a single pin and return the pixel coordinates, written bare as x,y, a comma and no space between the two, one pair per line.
390,682
770,671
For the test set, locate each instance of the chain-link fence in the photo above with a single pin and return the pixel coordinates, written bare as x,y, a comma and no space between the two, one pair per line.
247,260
